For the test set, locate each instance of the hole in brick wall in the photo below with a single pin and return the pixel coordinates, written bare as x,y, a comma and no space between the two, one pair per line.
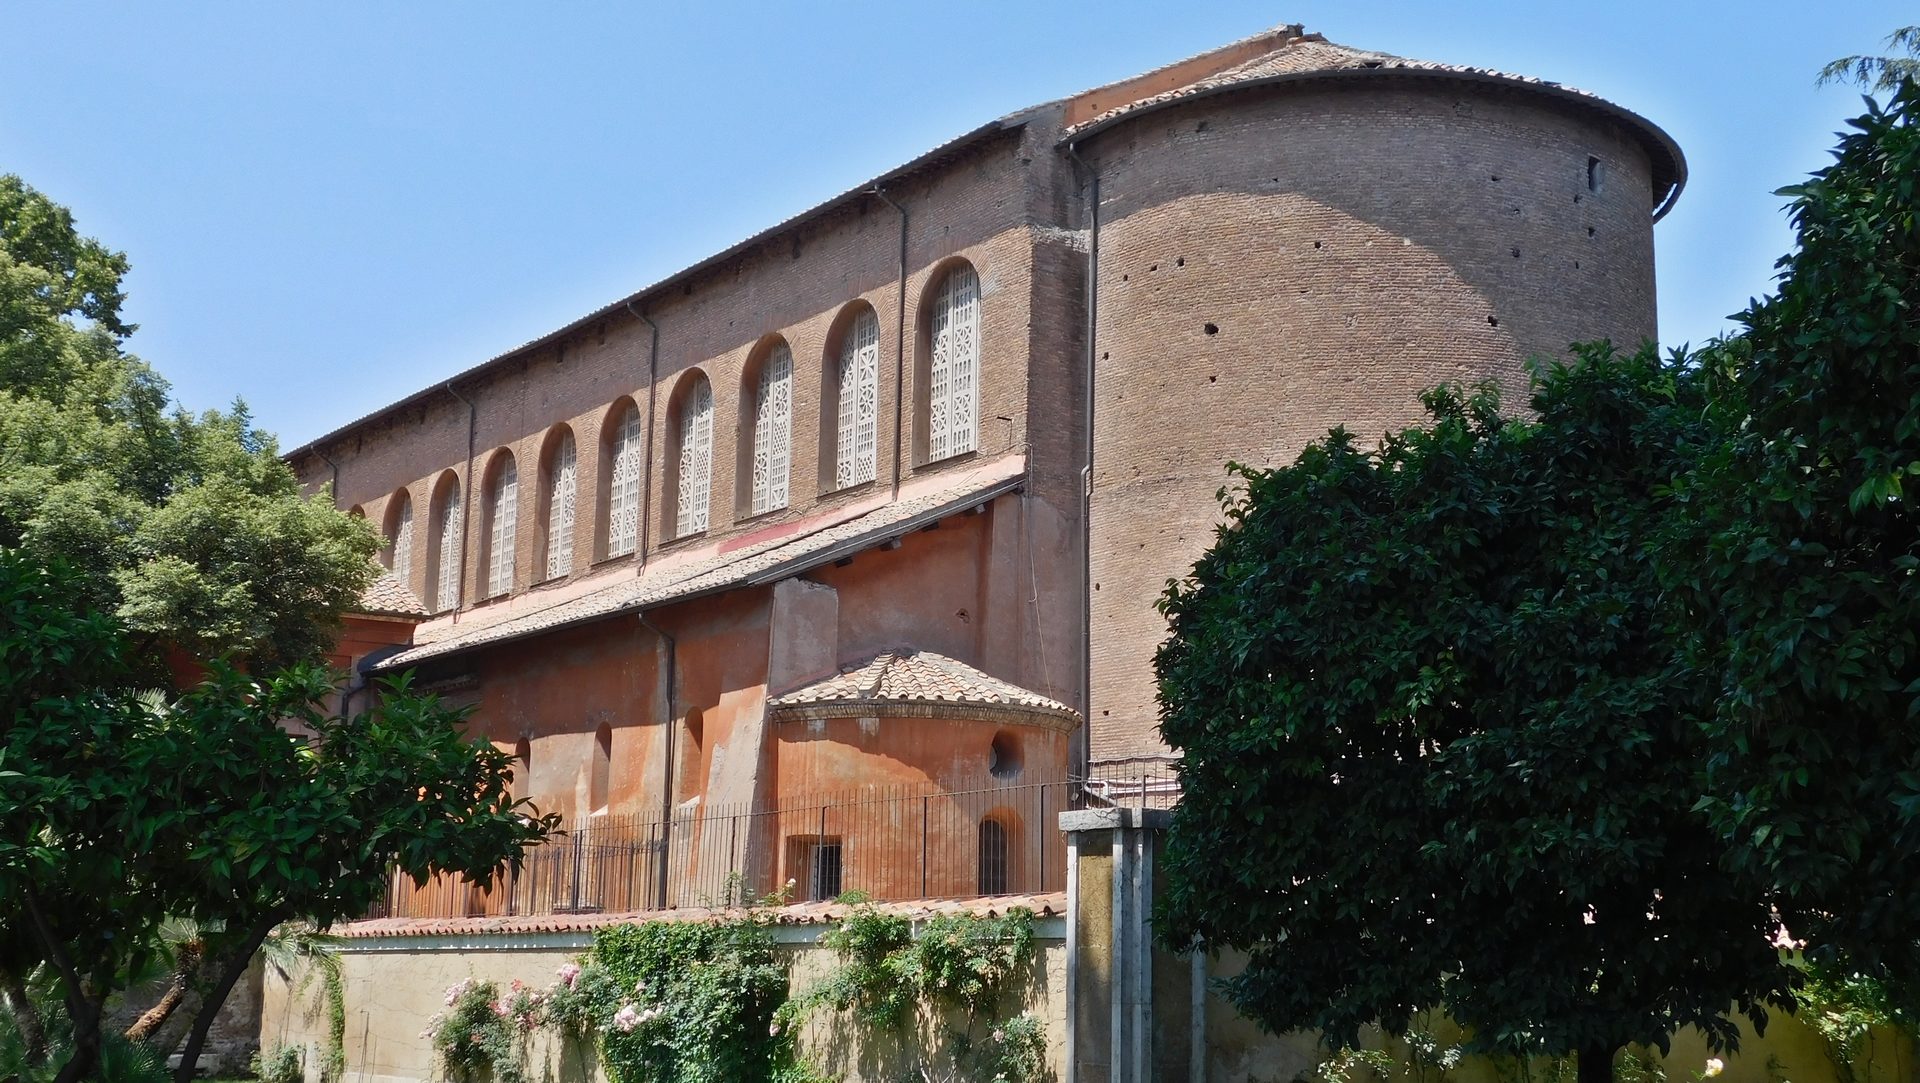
1516,253
1155,267
1316,244
1200,127
1181,262
1211,329
1213,379
1576,265
1105,713
1576,197
1493,321
1495,178
1096,586
1104,356
1593,173
1589,231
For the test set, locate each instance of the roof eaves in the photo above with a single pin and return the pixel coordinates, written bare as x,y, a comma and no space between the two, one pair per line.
786,569
1652,134
944,151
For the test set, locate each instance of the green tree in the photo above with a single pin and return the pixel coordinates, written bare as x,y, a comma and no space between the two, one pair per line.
1440,745
189,528
1804,580
1880,73
120,810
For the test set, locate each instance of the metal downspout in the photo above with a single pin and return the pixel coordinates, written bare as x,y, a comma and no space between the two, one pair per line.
466,497
653,391
899,345
1081,752
671,721
335,490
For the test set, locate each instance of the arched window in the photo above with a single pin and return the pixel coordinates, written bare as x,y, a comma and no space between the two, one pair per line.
563,489
503,503
446,547
993,857
696,458
400,529
953,371
772,430
856,453
623,485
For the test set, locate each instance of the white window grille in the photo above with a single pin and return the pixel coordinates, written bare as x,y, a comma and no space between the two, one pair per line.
953,384
448,595
623,490
696,459
562,491
773,430
856,456
402,559
503,510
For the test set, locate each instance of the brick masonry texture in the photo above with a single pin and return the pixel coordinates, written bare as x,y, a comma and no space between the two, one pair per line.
1278,262
1273,260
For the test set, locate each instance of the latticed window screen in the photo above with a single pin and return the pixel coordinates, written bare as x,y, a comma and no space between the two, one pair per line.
503,509
562,489
402,561
856,456
448,593
623,490
993,858
696,459
953,379
773,430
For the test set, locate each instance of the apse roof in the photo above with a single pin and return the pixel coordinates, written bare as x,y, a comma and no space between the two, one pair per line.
897,681
389,597
1309,57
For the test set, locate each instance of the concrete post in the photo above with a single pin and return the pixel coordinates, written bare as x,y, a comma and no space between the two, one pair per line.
1116,1019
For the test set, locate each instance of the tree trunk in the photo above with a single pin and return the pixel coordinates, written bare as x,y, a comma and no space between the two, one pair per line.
86,1038
26,1017
185,975
1595,1065
231,967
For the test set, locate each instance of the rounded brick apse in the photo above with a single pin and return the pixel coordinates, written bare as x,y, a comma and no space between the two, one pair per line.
1277,259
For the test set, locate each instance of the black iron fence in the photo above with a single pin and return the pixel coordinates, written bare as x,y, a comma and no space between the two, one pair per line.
888,844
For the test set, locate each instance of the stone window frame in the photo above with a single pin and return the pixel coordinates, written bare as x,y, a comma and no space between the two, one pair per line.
850,408
500,531
622,478
764,472
559,511
446,515
398,531
689,456
949,366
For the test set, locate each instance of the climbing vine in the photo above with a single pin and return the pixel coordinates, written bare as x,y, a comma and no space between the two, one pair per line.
961,963
482,1035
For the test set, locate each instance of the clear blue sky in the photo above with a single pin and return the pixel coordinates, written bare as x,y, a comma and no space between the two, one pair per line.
329,206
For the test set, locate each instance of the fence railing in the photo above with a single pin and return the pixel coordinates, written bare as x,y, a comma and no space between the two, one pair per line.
891,844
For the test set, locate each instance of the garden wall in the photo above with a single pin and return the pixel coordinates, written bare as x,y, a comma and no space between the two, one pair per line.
394,984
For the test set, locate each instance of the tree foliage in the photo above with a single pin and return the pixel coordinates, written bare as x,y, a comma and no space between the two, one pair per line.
1435,681
1551,721
1804,583
1880,73
188,527
121,810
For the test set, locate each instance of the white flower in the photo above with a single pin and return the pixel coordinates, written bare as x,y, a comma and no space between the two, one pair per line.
999,1035
1714,1067
626,1019
639,988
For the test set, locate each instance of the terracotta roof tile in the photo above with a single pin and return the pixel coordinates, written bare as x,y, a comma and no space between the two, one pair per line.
893,679
663,582
389,597
1051,904
1310,54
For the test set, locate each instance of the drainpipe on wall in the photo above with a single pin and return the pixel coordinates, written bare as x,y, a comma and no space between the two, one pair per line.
466,497
334,491
899,344
671,722
1081,751
653,387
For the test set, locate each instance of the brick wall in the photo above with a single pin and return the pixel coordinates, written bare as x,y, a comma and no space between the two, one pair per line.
1277,262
